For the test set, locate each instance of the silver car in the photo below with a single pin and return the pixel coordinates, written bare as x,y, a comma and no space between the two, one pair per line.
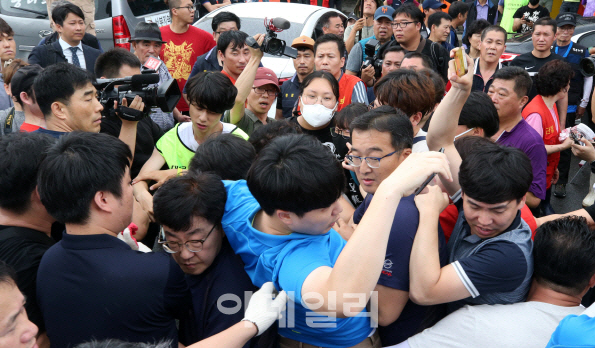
115,21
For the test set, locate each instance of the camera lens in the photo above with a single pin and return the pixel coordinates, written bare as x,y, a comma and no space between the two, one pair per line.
275,46
587,66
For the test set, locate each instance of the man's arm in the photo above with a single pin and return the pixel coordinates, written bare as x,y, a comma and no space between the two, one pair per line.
354,61
359,94
391,303
445,120
128,130
358,267
245,81
210,7
429,282
532,201
516,24
562,105
587,86
141,187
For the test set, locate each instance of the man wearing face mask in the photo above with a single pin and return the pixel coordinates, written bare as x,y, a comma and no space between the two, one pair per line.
526,16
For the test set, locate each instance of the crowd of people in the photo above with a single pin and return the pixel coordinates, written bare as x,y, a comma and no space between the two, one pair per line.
387,200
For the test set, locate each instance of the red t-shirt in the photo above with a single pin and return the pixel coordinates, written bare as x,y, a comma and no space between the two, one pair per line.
180,53
28,127
231,78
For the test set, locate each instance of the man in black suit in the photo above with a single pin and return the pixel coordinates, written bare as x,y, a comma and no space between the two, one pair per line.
69,23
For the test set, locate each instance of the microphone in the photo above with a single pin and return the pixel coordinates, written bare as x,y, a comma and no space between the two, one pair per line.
281,23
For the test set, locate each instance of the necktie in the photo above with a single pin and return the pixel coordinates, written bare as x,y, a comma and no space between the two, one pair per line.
75,58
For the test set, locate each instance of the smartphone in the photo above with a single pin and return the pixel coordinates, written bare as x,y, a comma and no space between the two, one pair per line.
576,138
460,62
428,180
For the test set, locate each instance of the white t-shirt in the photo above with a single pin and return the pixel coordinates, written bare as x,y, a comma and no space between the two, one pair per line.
525,324
186,134
421,145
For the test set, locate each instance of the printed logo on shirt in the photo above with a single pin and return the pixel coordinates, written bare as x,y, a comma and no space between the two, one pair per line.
331,147
529,67
177,59
388,264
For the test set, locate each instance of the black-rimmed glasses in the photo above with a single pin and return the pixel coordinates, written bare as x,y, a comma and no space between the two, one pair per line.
373,162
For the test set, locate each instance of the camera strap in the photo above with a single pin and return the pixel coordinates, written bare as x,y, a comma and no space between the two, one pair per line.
8,122
130,114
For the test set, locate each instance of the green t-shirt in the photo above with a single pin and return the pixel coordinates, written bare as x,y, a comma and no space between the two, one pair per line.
249,122
178,145
510,7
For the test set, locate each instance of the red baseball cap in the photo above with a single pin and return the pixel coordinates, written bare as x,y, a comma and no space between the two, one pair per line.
266,76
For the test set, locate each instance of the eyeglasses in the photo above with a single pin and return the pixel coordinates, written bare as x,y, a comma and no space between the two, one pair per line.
373,162
269,92
401,25
189,8
193,246
336,132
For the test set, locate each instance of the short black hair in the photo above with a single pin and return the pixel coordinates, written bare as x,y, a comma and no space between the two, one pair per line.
387,119
225,16
476,27
427,63
479,111
456,8
78,166
172,4
57,83
466,145
262,136
5,28
546,21
20,157
181,199
60,13
344,117
331,38
495,174
321,75
522,80
325,19
436,18
235,38
411,11
494,28
552,77
7,274
109,63
296,173
23,80
211,90
226,155
564,255
393,48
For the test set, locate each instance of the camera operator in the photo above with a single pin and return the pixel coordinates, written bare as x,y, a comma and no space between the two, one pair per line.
147,44
382,32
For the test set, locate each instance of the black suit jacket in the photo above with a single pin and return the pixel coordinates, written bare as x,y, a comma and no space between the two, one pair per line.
49,54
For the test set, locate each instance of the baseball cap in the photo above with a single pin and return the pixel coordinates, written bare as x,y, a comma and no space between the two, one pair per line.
384,11
266,76
434,4
352,16
303,41
22,80
565,18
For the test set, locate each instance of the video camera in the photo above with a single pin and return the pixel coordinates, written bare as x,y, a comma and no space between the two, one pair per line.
165,96
271,44
372,58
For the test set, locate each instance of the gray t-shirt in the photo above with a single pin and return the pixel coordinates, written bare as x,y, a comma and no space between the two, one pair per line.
525,324
19,119
366,32
355,60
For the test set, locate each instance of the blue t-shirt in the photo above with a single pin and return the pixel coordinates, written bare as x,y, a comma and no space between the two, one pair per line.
287,261
395,272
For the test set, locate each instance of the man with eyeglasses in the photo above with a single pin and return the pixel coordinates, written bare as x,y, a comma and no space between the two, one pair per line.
579,92
382,33
381,140
183,44
407,22
189,209
257,90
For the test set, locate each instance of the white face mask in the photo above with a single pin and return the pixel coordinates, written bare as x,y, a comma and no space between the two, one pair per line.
317,115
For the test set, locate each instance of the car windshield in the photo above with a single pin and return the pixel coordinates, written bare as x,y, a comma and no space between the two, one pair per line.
253,26
145,7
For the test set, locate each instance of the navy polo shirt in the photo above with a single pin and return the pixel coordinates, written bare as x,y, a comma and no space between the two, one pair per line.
395,271
478,83
52,133
224,279
96,287
287,99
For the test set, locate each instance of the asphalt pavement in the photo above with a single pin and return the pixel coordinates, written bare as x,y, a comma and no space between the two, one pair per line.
575,191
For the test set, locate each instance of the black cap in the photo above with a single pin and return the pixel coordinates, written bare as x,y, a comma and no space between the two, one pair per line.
352,16
566,18
22,80
147,32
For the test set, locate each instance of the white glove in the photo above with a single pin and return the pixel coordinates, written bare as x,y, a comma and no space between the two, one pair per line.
263,310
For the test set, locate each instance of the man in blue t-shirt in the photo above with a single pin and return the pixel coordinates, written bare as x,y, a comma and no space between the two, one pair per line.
191,232
490,249
279,221
383,138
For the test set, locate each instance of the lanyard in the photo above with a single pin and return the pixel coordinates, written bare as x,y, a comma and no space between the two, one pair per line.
567,51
